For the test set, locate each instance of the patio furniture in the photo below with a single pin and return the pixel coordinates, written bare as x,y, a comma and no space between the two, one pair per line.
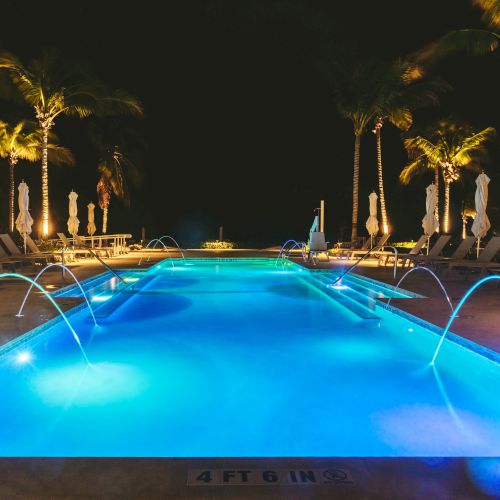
116,242
9,262
107,251
483,262
434,252
414,251
34,255
355,253
70,245
459,254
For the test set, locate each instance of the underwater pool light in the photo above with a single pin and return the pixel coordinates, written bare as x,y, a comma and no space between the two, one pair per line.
101,298
130,280
24,357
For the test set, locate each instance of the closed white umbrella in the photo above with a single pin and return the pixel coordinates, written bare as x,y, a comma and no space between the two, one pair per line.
73,221
372,221
24,220
91,225
481,222
430,222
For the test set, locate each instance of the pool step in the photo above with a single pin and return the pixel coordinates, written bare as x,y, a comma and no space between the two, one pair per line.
359,304
371,285
369,290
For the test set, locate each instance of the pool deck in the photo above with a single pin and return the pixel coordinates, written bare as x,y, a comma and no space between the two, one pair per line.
151,478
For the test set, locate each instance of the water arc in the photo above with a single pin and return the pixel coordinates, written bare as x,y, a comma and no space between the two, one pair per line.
453,315
54,303
62,266
440,283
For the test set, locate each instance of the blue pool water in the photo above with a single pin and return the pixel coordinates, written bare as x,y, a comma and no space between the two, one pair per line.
242,358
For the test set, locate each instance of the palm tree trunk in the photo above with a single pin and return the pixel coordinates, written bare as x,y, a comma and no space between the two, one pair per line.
45,181
355,190
436,182
446,214
12,192
105,219
383,211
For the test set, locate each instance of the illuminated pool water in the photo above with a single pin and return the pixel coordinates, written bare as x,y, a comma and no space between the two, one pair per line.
240,358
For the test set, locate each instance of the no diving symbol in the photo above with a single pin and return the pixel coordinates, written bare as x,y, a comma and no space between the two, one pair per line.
335,476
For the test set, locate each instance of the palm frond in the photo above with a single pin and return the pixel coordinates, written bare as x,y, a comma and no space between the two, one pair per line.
470,41
401,118
491,14
416,146
416,167
59,155
477,140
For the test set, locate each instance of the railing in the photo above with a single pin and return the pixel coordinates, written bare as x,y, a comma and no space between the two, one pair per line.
96,256
363,257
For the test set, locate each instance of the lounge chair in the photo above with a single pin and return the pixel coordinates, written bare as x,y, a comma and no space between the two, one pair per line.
414,251
68,244
107,251
483,262
37,256
9,262
459,254
48,255
434,252
359,252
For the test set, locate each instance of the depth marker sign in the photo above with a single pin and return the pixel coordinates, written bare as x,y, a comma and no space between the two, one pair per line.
262,477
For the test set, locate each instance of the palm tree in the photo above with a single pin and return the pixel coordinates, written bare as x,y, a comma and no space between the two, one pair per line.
53,88
376,91
448,147
23,142
471,41
114,167
401,91
355,93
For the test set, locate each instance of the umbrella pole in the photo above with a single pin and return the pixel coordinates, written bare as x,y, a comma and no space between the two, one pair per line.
25,243
428,243
478,241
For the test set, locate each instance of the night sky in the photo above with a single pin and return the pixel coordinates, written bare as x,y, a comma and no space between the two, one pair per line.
240,126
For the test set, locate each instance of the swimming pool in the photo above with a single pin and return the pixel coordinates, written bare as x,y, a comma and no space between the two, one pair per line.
241,358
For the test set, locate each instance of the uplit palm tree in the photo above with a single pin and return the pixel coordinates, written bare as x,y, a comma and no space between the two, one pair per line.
448,147
373,92
401,91
53,88
23,142
470,41
355,93
114,168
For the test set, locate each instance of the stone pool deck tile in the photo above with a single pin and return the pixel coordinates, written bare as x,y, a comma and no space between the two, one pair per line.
479,318
164,478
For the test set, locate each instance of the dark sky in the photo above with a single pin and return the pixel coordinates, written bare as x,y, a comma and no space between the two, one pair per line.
240,120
